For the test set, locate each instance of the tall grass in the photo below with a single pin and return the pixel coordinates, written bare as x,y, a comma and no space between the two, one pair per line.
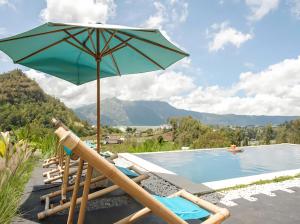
41,138
16,164
11,191
150,145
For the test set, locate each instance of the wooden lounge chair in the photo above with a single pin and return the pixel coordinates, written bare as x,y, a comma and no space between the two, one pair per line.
65,173
62,161
131,172
151,203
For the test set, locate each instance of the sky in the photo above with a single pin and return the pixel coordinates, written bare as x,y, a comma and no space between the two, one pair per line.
244,54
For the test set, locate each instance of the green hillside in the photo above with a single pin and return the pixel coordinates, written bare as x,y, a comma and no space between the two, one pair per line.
23,104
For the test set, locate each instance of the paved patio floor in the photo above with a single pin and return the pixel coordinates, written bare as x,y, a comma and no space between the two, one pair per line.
283,208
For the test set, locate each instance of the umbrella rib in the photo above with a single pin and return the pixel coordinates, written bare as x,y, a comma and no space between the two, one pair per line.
112,57
91,39
87,38
45,48
140,52
154,43
80,48
107,42
84,47
38,34
117,47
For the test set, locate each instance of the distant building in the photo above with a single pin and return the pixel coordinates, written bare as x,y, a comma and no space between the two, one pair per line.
113,139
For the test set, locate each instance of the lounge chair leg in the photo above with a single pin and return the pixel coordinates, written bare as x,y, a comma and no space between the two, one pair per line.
75,193
91,196
65,181
86,190
70,188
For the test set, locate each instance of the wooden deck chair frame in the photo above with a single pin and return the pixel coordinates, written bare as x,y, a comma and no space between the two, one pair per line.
65,188
111,172
67,204
61,160
218,214
64,172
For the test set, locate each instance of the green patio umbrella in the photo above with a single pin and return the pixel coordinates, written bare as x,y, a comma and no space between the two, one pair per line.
80,53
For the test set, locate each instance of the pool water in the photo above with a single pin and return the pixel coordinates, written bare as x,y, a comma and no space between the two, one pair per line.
218,164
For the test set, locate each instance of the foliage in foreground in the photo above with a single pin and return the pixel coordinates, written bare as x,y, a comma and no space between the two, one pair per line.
16,164
14,154
11,192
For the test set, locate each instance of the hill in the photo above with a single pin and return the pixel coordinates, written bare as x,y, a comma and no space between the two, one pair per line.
24,104
148,113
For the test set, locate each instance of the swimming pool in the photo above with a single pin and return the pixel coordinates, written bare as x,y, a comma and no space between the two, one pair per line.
218,164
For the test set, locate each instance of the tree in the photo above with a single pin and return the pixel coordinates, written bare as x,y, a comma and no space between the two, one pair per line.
268,134
160,139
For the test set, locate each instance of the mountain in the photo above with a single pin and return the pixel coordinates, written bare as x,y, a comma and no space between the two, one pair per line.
24,104
151,113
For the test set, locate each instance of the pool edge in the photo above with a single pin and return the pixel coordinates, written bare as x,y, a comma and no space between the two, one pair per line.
205,187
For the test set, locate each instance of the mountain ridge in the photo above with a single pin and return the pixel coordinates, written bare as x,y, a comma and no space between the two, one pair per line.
151,113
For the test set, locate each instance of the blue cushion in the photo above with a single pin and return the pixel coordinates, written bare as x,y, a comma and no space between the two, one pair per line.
127,172
68,151
183,208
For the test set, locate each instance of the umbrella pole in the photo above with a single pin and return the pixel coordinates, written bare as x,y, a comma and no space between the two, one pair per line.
89,172
98,106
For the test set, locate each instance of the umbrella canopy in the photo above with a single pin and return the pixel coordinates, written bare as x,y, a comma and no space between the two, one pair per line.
70,51
80,53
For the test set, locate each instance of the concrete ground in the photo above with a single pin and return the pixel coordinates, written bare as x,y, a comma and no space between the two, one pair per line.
282,208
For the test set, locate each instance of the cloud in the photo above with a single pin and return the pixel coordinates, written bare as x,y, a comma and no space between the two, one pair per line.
249,65
260,8
295,8
3,2
150,86
7,3
2,30
4,57
83,11
222,34
168,13
273,91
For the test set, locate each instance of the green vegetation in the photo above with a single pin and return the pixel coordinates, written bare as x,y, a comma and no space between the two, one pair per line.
189,132
261,182
16,164
27,111
12,191
192,133
149,145
289,132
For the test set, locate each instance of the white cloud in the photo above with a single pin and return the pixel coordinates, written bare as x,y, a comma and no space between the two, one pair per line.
4,57
78,10
295,8
3,2
2,31
260,8
7,3
249,65
151,86
273,91
167,13
222,34
157,20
